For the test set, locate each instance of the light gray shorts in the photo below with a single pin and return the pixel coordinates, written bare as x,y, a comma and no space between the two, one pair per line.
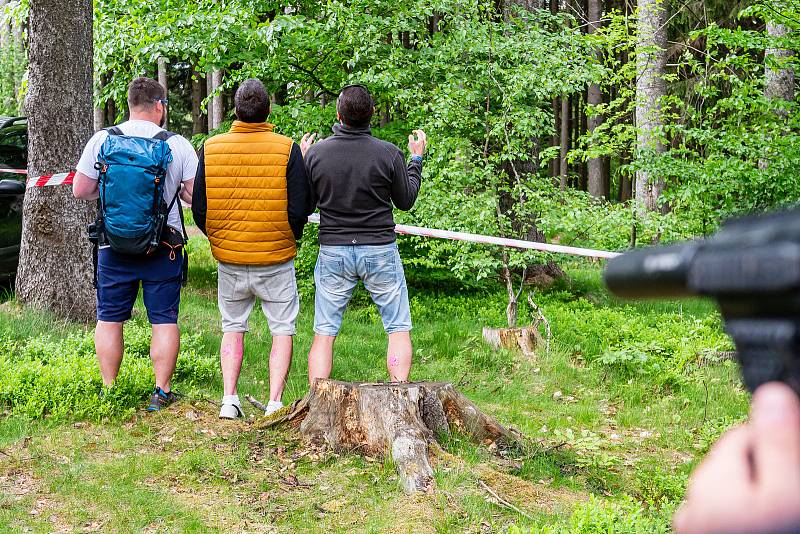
274,285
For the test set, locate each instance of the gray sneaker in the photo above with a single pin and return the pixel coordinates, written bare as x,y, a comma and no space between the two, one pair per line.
230,411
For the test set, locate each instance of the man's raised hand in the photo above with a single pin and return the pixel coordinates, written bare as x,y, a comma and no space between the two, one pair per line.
417,145
306,142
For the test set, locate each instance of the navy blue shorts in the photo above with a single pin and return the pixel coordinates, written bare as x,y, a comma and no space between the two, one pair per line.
118,279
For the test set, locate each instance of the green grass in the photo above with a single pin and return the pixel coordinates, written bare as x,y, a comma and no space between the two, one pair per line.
617,414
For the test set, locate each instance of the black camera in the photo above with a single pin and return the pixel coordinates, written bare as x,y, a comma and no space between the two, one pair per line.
96,232
751,267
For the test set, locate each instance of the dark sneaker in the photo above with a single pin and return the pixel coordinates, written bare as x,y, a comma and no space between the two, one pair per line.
159,399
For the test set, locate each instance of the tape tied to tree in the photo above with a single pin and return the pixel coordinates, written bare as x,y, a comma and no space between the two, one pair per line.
66,178
61,178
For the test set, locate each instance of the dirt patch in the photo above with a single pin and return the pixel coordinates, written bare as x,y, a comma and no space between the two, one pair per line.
18,484
22,487
527,495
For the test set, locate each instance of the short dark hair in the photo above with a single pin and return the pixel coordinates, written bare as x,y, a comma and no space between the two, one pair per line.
355,106
252,101
143,93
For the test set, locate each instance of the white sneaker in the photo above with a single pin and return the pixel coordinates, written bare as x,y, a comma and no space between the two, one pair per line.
272,407
231,408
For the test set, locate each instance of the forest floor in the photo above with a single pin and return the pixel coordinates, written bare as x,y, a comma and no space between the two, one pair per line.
617,413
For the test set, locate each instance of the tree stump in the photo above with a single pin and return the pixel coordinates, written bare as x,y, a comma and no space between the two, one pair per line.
401,420
525,339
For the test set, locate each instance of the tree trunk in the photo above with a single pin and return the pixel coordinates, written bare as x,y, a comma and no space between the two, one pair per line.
162,79
651,87
582,126
598,186
55,267
99,110
779,80
565,133
218,112
210,103
398,420
199,122
98,118
111,112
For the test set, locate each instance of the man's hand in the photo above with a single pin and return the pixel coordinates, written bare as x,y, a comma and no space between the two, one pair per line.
417,146
750,481
306,142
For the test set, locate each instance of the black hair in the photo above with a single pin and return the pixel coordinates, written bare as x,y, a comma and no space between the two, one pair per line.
252,101
355,106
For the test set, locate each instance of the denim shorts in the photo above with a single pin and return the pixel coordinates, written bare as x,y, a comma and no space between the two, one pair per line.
274,285
118,279
338,270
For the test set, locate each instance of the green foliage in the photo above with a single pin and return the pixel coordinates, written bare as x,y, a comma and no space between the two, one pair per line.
622,517
13,59
731,150
59,378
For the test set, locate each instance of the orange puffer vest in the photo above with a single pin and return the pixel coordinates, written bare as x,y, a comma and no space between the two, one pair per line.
247,220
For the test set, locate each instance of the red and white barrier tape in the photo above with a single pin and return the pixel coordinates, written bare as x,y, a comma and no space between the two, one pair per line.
13,171
491,240
62,178
66,178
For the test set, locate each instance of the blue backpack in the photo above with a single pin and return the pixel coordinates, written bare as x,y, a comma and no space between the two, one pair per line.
133,171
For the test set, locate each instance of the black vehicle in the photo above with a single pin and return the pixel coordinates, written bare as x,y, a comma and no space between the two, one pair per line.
13,156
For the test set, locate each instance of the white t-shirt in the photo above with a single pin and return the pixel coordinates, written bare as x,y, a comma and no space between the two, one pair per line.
182,168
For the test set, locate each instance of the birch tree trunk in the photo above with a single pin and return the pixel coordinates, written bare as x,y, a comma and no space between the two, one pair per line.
210,104
218,113
99,114
650,89
779,79
162,79
55,267
598,186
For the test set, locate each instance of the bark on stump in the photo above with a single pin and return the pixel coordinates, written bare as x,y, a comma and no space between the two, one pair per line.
401,420
525,339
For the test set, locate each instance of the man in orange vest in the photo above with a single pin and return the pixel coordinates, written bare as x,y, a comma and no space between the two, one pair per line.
252,199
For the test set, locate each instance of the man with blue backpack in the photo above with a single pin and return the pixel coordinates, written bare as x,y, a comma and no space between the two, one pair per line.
139,173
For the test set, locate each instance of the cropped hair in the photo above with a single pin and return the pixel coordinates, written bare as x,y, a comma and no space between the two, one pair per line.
252,101
355,106
143,93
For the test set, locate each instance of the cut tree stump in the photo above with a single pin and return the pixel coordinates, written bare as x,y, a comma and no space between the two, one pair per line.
525,339
400,420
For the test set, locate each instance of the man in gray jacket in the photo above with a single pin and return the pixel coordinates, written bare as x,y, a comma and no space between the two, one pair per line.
355,180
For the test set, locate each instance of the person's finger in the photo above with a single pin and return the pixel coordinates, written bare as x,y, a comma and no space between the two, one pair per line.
423,136
305,138
728,458
775,419
312,138
722,478
411,139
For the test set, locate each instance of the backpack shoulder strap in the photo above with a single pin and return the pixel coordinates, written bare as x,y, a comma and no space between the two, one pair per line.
114,130
164,135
